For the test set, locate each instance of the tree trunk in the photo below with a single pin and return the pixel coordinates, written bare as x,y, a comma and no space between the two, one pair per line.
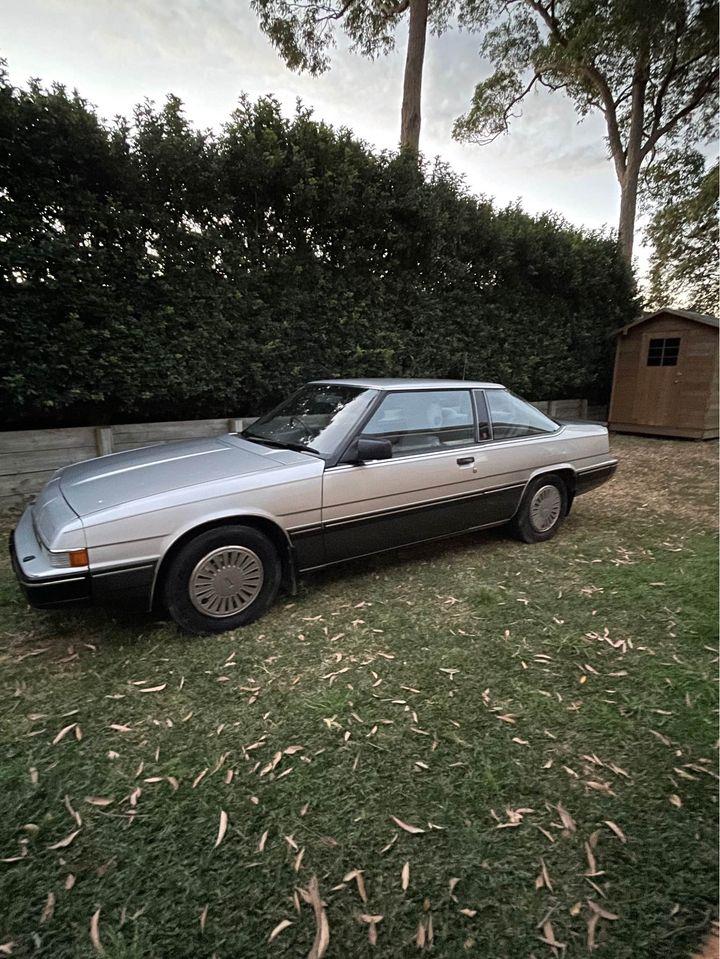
412,86
631,175
628,207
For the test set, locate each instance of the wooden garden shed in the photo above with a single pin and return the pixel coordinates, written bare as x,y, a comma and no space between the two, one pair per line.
666,376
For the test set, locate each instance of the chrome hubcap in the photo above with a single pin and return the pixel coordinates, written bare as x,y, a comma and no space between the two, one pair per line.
226,581
545,508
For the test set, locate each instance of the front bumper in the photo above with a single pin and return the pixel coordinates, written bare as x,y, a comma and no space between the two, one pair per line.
46,592
128,586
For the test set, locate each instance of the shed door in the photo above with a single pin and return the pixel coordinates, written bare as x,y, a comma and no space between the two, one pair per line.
657,398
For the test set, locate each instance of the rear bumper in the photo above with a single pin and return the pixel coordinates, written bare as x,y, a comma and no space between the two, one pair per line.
594,476
66,590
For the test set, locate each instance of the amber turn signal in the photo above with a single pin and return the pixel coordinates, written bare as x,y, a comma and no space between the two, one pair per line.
78,557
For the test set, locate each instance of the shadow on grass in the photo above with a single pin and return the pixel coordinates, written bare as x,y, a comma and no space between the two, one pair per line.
84,623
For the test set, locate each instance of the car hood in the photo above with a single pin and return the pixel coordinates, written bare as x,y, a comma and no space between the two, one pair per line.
109,481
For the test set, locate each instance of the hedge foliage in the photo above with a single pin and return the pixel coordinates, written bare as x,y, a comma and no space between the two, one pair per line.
153,271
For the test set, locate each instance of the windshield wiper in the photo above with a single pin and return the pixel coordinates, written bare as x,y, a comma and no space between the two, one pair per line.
298,447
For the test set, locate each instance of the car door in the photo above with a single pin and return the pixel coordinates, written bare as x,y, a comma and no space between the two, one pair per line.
429,487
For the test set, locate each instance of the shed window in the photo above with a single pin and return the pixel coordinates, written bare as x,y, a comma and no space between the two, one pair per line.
664,352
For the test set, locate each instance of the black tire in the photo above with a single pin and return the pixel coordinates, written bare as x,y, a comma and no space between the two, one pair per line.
523,525
177,589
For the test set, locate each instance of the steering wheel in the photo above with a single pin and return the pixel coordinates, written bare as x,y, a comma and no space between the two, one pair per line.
301,422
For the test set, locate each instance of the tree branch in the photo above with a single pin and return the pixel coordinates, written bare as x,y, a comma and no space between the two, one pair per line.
665,83
591,73
396,9
704,87
336,14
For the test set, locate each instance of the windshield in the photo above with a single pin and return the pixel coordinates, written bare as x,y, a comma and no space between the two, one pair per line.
317,418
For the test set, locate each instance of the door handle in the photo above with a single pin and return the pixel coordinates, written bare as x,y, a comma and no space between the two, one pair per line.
465,460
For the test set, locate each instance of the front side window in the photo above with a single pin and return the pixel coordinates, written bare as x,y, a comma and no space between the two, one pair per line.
513,417
424,421
664,352
317,418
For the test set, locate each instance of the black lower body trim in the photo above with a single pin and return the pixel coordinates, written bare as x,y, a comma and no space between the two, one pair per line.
348,539
308,547
127,586
586,480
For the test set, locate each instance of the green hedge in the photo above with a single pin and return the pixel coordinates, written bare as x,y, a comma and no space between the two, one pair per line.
152,271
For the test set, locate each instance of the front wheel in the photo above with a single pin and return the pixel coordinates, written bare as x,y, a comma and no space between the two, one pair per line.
543,508
223,579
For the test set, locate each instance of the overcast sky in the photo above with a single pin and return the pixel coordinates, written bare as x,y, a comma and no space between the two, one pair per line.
209,51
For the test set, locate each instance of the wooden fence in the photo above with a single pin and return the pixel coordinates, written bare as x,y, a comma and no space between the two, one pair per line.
28,458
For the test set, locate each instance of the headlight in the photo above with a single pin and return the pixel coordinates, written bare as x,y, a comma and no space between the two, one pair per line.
75,557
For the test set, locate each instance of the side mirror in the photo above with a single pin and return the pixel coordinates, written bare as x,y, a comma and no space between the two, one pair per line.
373,450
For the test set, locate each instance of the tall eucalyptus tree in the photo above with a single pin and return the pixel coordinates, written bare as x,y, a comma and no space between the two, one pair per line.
649,66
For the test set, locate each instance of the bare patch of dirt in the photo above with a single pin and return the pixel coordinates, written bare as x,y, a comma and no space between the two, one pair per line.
676,477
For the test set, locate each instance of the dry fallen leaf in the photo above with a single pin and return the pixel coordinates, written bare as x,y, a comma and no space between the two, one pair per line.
63,733
62,843
676,801
469,912
592,869
357,875
222,828
601,911
549,936
592,922
279,928
390,844
263,840
72,812
372,927
99,801
567,820
406,876
322,930
406,826
69,881
616,829
544,878
153,689
48,909
203,917
95,933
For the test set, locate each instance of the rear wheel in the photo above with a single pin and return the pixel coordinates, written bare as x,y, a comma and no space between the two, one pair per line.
223,579
543,508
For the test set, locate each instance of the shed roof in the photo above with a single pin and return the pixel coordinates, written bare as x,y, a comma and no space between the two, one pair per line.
704,318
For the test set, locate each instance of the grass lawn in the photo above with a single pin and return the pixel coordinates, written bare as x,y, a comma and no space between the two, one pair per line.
545,716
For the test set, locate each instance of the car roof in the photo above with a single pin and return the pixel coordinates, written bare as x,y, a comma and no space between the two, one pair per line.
384,383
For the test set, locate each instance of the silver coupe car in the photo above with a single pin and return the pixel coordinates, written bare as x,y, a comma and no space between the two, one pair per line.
210,529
